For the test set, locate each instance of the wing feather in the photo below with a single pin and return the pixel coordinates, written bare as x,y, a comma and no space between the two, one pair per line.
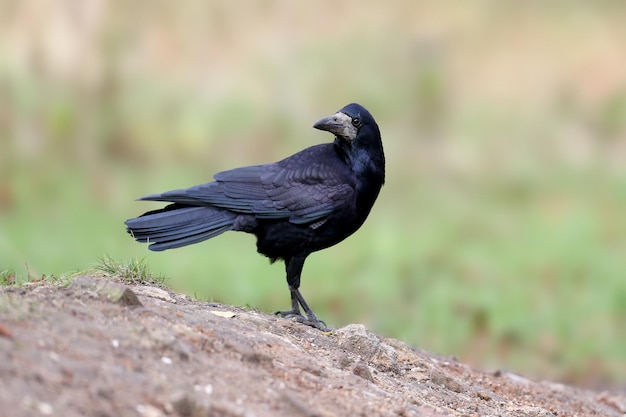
304,188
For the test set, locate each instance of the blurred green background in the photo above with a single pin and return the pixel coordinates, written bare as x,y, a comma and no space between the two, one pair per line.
500,236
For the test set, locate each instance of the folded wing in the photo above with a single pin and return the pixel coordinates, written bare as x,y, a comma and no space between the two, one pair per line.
302,193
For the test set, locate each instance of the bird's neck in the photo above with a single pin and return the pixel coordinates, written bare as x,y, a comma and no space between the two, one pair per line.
367,164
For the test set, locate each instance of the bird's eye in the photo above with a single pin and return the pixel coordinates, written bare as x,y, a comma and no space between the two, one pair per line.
356,122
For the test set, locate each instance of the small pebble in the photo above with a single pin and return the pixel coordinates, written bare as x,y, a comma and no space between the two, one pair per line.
45,408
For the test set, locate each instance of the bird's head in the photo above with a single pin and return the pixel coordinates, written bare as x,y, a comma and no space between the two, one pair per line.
357,137
347,122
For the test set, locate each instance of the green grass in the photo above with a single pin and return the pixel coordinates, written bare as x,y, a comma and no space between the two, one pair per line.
133,271
7,277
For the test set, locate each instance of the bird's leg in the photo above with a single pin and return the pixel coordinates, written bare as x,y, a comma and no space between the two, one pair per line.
295,308
294,269
311,319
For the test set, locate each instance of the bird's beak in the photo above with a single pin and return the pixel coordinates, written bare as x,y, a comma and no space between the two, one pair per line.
339,124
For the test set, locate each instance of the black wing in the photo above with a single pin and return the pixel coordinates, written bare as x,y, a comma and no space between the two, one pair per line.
303,188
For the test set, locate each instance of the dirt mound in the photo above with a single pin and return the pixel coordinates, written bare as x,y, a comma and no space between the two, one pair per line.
98,348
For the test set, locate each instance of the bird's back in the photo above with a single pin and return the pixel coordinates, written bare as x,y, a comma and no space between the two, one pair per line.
323,174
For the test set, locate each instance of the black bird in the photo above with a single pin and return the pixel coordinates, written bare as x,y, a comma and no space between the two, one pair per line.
309,201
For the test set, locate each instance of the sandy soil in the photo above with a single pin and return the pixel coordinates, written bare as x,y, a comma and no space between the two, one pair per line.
99,348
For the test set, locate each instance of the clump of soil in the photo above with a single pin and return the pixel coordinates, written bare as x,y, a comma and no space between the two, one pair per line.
99,348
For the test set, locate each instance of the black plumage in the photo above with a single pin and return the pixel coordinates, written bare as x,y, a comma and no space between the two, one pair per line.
301,204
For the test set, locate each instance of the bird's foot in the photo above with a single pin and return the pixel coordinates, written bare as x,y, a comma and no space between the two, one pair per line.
297,316
287,314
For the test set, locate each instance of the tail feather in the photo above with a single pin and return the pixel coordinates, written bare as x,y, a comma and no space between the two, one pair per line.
179,225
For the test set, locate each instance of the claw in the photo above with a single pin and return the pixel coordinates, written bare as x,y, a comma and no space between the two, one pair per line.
288,314
309,321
